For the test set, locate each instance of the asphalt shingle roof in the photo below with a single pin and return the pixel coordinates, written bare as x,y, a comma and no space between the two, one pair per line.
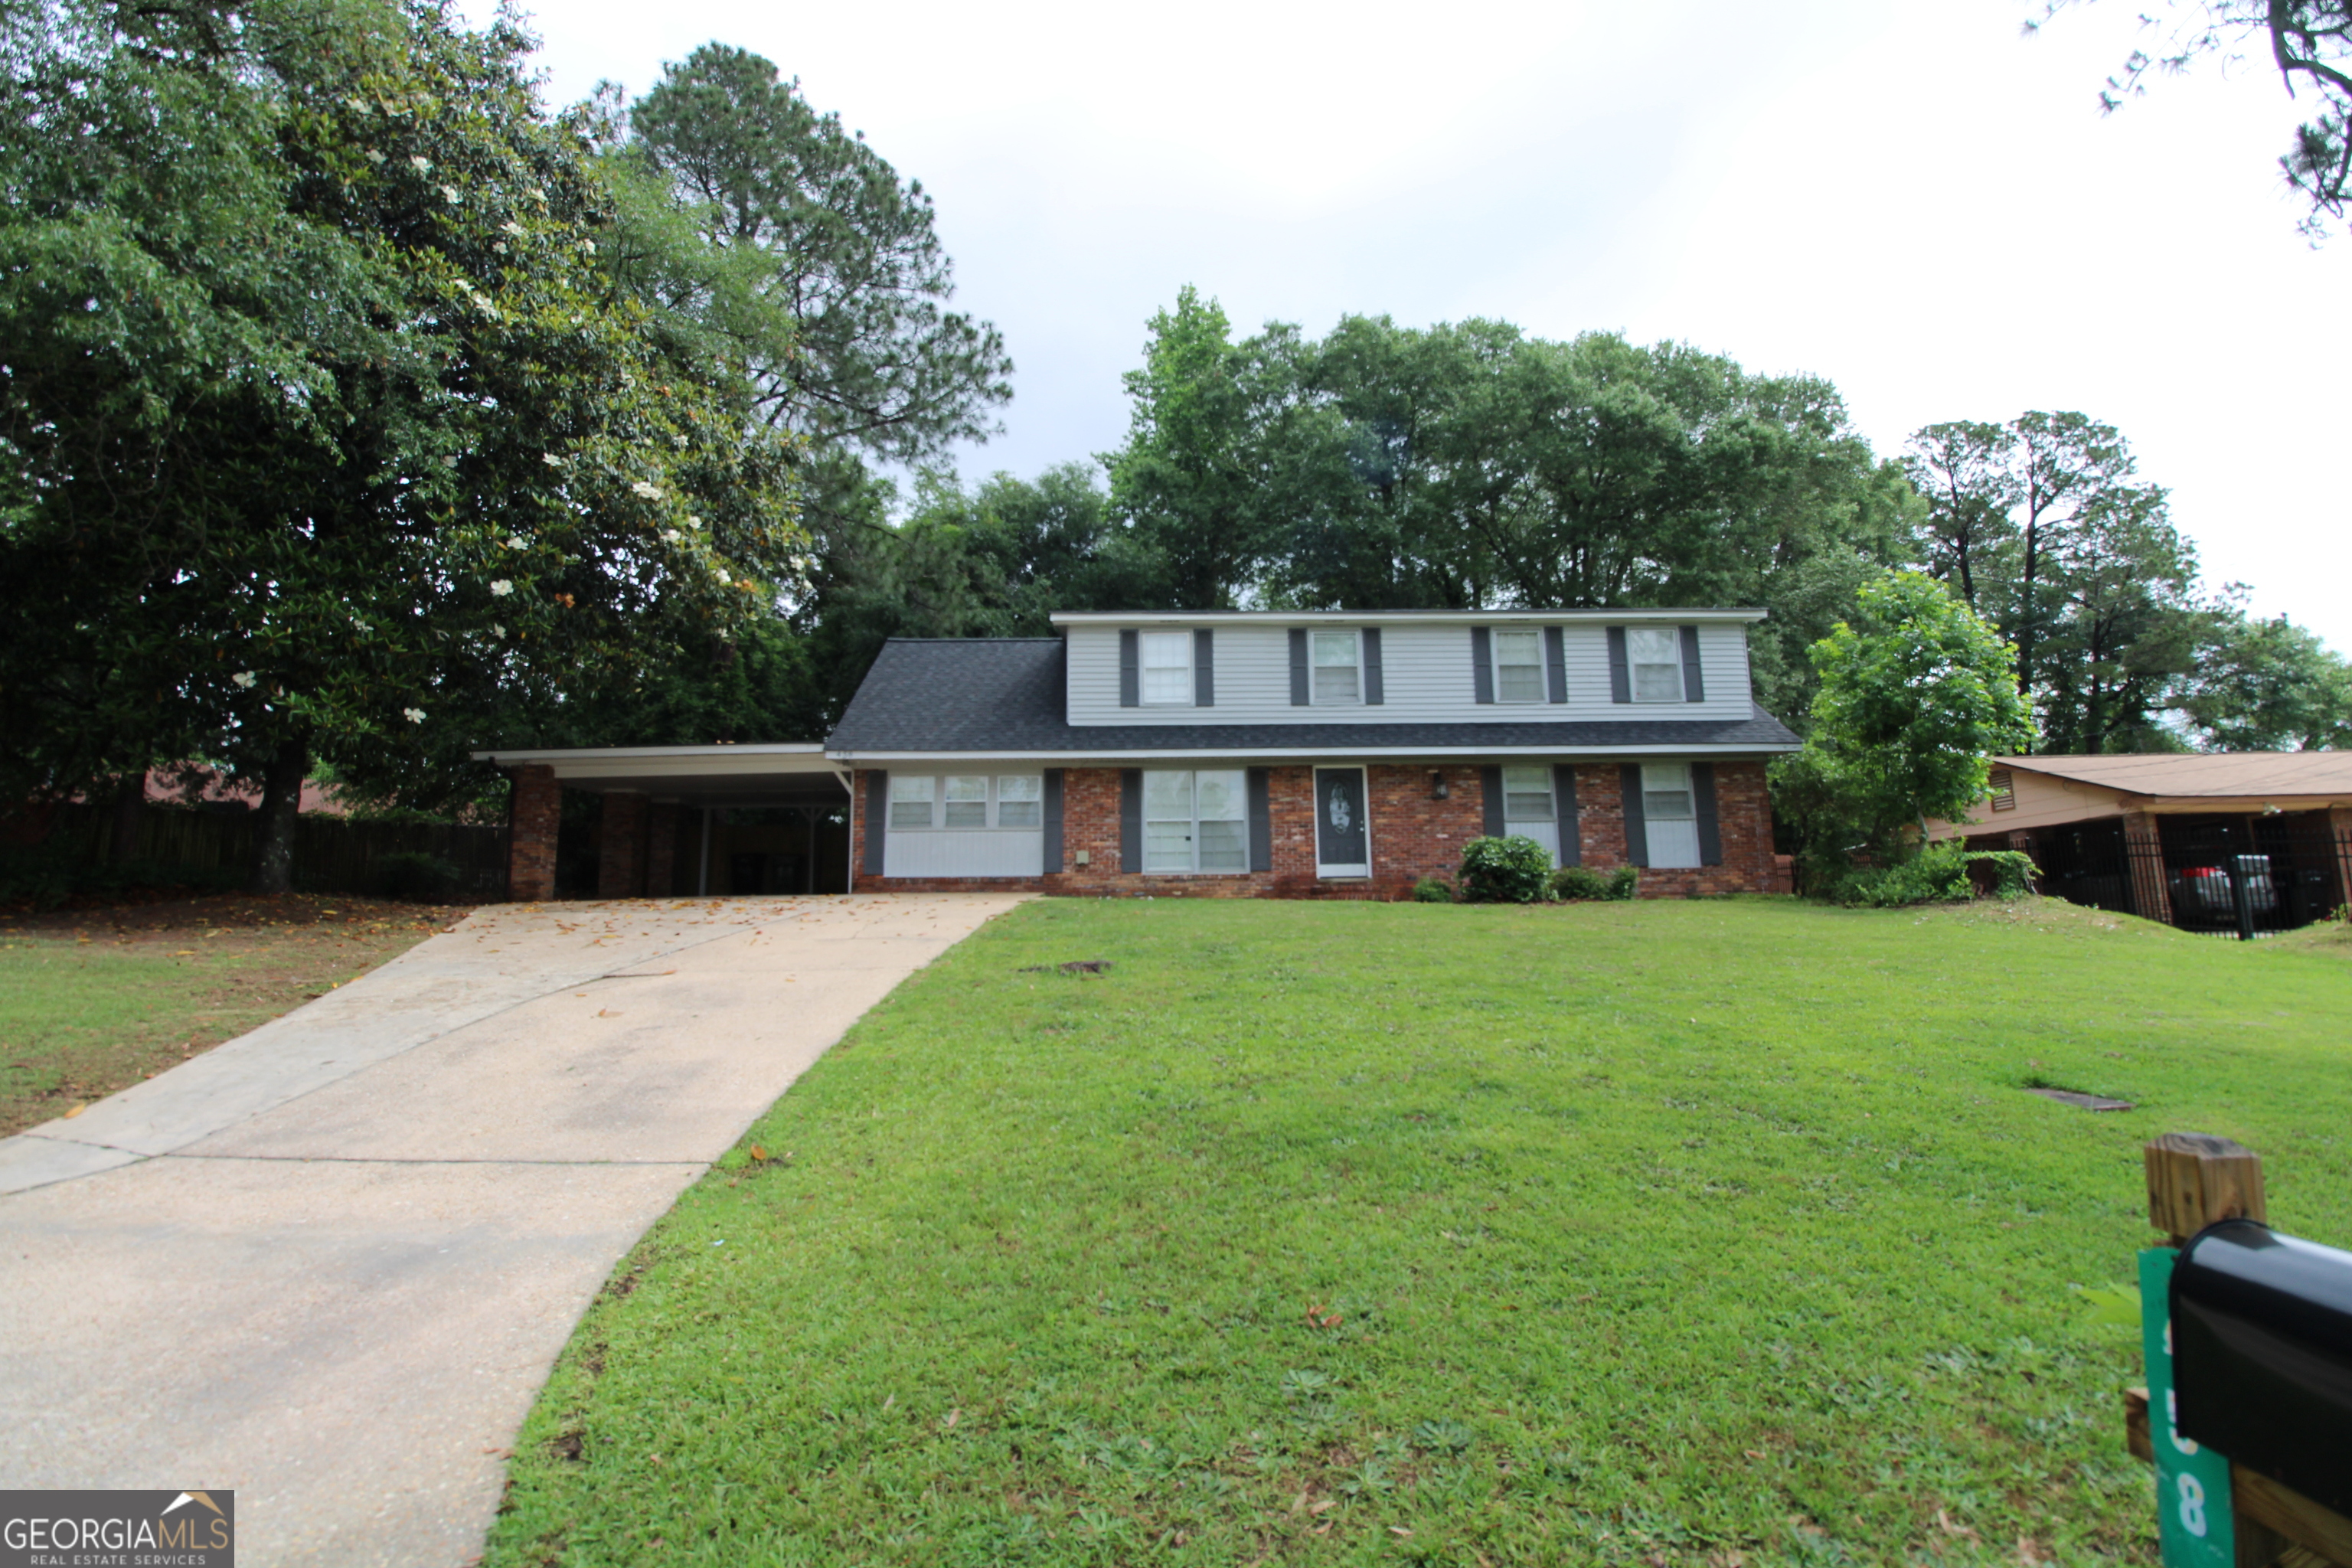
997,695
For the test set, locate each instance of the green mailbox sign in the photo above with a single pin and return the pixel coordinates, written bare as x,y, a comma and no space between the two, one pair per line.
2193,1482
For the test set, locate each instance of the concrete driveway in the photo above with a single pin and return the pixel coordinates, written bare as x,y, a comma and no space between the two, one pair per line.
329,1264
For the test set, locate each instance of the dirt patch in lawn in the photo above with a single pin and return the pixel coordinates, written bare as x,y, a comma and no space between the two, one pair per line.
94,999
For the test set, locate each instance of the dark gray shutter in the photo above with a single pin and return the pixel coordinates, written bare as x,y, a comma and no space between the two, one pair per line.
877,818
1637,822
1481,665
1130,819
1053,819
1563,802
1621,679
1710,832
1555,668
1131,670
1490,785
1372,690
1204,669
1694,688
1298,667
1261,821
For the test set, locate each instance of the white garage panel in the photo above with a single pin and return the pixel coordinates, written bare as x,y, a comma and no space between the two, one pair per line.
994,852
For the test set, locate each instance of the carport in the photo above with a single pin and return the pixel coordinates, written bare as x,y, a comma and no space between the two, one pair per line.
683,820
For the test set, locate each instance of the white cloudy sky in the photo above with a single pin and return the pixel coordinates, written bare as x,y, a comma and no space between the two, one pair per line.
1903,195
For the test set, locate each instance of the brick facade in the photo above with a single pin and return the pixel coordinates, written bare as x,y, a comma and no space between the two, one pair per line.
621,845
1413,835
665,831
535,812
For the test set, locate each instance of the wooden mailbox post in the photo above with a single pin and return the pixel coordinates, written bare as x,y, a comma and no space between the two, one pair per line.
2194,1181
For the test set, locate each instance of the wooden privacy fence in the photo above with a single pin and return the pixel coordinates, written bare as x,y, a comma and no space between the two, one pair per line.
331,854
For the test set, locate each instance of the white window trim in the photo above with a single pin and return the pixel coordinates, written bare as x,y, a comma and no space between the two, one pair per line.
1196,870
1143,672
1633,671
1495,652
940,798
1314,698
1364,799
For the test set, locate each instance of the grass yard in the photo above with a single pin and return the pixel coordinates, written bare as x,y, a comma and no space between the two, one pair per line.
1678,1232
93,1001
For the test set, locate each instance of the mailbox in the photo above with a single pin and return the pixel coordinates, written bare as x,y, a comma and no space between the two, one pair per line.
2261,1355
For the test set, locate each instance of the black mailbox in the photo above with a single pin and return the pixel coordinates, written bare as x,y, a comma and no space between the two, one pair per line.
2261,1355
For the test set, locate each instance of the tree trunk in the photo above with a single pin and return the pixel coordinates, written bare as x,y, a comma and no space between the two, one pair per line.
281,802
130,803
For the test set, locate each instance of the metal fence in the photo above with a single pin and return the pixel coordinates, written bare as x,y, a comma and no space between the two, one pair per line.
2245,888
331,854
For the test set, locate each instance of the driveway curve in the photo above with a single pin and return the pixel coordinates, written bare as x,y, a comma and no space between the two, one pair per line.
329,1264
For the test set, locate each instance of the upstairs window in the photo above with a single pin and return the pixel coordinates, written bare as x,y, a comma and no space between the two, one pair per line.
1338,677
1655,654
1166,659
1519,666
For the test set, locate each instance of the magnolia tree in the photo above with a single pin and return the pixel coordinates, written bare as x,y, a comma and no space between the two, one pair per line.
1917,693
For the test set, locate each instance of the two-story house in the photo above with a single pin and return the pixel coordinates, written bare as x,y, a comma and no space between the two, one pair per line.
1294,754
1239,754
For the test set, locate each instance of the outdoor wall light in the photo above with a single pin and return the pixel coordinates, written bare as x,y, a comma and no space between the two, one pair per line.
1438,788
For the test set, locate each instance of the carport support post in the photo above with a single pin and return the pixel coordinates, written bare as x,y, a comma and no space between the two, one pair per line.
703,861
534,816
2144,863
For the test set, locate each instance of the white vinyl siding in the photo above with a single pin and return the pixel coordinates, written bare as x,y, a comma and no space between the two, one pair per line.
1670,813
965,824
1195,821
1167,660
1518,665
1426,678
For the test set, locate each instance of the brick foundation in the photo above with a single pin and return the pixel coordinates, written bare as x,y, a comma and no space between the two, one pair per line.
621,845
1413,835
535,814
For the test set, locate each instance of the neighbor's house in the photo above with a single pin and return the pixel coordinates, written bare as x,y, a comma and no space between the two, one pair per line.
1217,754
2159,834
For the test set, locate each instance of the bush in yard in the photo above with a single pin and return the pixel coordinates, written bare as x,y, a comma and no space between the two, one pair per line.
1936,875
1624,881
1433,890
414,876
2012,872
1513,870
1579,883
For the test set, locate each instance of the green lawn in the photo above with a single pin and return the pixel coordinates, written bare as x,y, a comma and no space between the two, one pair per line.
1712,1232
94,1001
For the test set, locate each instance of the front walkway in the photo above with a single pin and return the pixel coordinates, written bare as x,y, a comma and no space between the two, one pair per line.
329,1264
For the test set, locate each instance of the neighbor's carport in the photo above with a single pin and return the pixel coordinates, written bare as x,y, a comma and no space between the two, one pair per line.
680,820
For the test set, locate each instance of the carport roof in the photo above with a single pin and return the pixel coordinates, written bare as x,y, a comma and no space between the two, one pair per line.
696,776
